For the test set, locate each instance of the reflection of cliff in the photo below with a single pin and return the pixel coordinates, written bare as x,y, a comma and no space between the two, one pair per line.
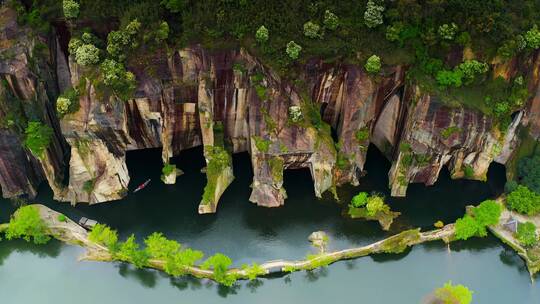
229,102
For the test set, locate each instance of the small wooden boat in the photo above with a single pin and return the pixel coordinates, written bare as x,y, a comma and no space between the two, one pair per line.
142,186
87,223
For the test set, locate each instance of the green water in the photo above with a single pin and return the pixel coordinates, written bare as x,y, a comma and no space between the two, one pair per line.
52,274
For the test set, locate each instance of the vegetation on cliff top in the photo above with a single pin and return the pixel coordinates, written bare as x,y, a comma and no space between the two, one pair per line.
28,225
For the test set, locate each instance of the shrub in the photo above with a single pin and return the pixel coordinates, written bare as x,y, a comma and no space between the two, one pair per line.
529,172
177,263
362,134
466,227
26,223
454,294
524,201
73,45
359,200
448,31
38,137
62,105
312,30
331,21
262,34
446,78
510,186
87,55
295,114
393,32
116,77
526,234
263,145
104,235
471,68
446,133
438,224
220,264
532,37
118,42
162,32
129,251
71,9
373,64
160,247
67,102
168,169
293,50
375,204
253,271
487,214
468,171
62,218
373,16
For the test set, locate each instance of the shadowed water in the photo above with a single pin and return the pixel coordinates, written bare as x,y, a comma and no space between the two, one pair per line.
51,273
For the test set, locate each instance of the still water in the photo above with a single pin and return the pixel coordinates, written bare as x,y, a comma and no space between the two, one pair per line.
246,233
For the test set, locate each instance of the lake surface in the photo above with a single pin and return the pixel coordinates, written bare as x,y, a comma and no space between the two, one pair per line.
247,233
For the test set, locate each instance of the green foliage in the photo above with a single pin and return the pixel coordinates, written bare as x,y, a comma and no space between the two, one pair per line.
487,214
220,264
532,37
471,68
295,114
160,247
362,134
293,50
253,271
524,201
175,6
450,78
26,223
448,31
526,234
312,30
116,77
219,159
528,172
373,15
262,34
71,9
177,263
375,204
121,41
466,227
510,186
87,55
331,20
446,133
104,235
168,169
62,218
38,137
67,102
511,47
129,251
88,186
468,171
454,294
373,64
263,145
359,200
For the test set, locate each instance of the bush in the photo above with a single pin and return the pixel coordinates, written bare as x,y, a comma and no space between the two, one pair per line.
375,204
26,223
87,55
471,68
532,37
67,102
129,252
121,41
38,137
487,214
168,169
295,114
468,171
177,263
524,201
62,218
62,105
526,234
160,247
220,264
529,172
71,9
373,16
373,64
448,31
116,77
312,30
253,271
454,294
174,6
262,34
359,200
293,50
331,21
510,186
466,227
104,235
448,78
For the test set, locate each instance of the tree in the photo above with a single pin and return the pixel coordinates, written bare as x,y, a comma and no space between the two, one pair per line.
454,294
486,214
129,252
359,200
466,227
262,34
26,223
532,37
117,78
177,263
38,137
471,68
160,247
253,271
174,6
62,105
293,50
87,55
71,9
375,204
119,42
524,201
312,30
529,172
104,235
526,234
220,264
373,15
373,64
448,31
331,21
446,78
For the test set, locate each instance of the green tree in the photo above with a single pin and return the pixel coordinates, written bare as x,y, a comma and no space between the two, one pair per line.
293,50
71,9
486,214
160,247
331,20
373,16
262,34
359,200
220,264
471,68
532,37
373,64
129,252
116,77
524,201
312,30
26,223
87,55
529,172
466,227
375,204
62,105
38,137
526,234
177,263
104,235
174,6
454,294
446,78
448,31
253,271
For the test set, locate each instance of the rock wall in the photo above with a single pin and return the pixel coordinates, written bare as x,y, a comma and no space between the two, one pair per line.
229,102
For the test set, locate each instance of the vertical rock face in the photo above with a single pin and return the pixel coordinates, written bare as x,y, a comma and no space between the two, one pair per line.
229,102
28,81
